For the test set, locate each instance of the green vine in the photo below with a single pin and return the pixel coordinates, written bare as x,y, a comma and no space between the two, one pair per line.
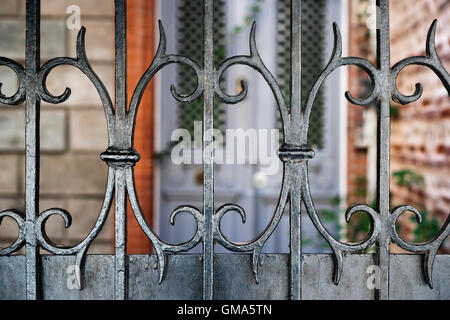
408,178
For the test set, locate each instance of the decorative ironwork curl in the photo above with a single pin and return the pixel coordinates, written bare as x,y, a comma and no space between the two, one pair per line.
254,61
255,245
290,178
338,247
19,218
160,60
430,248
295,153
430,60
82,63
335,62
81,248
19,96
160,246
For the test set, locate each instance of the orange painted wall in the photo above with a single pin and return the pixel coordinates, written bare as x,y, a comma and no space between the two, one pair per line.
141,33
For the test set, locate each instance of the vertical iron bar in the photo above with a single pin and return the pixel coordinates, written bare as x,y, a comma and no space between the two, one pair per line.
32,63
295,197
121,69
296,65
384,100
294,169
121,265
208,157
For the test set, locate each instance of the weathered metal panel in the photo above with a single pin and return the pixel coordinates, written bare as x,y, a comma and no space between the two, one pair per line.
407,279
12,277
99,277
183,277
234,281
318,275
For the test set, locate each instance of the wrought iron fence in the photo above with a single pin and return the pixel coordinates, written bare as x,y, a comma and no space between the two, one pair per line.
294,153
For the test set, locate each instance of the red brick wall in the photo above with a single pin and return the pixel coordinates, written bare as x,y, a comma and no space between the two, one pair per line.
141,33
356,156
420,137
421,133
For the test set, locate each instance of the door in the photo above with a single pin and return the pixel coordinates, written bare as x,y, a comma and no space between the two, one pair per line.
250,177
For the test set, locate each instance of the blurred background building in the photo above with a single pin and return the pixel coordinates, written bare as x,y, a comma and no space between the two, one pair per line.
343,172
